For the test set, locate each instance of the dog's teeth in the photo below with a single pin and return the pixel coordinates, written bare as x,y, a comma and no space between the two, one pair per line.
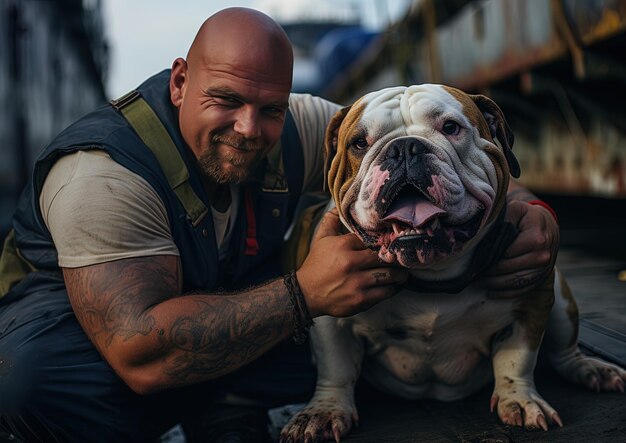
396,228
403,231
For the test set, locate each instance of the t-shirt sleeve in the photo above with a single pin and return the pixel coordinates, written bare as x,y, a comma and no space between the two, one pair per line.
98,211
311,115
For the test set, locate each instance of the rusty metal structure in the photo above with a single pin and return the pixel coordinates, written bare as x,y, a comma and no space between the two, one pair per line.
556,67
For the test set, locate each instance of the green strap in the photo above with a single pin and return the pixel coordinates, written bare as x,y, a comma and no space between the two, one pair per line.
275,179
154,135
13,267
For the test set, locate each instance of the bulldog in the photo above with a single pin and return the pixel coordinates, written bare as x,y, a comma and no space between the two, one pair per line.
416,173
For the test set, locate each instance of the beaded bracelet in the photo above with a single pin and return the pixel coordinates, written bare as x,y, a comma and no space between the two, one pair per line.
302,320
545,205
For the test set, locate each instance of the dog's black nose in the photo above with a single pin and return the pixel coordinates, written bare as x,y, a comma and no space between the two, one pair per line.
407,158
408,161
405,147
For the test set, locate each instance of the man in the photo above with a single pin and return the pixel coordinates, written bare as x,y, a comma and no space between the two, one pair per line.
97,341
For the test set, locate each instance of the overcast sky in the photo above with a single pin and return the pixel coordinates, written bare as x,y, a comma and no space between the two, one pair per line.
146,36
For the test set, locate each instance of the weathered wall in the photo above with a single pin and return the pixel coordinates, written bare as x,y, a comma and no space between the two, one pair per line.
556,68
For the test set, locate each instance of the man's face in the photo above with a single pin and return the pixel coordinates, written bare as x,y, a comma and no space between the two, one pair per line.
230,116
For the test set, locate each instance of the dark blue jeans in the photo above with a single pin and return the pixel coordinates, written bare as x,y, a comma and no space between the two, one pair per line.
54,386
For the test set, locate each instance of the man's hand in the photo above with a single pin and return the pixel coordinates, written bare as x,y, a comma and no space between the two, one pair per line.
340,276
531,257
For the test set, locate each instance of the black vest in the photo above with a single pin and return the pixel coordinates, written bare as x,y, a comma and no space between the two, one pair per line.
107,129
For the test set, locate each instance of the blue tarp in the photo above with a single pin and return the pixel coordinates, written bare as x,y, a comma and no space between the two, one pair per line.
335,52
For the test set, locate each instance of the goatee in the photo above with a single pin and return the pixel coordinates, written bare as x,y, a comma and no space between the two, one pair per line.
242,166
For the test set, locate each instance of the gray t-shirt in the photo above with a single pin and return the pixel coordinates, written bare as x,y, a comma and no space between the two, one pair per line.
98,211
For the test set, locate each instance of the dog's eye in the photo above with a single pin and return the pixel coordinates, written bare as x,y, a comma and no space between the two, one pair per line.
450,127
360,143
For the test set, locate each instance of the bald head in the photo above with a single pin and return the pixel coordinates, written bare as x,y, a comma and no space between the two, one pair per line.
232,92
246,40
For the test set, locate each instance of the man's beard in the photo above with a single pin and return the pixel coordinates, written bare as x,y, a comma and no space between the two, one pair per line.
243,166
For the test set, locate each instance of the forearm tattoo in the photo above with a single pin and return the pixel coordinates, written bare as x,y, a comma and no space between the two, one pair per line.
194,337
110,300
222,333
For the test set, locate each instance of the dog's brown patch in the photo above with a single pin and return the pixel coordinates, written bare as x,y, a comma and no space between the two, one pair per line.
472,112
344,164
498,157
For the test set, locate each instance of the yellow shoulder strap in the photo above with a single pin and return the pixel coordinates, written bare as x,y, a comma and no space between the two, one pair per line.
274,179
13,267
150,129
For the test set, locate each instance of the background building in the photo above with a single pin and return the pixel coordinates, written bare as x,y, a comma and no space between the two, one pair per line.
53,63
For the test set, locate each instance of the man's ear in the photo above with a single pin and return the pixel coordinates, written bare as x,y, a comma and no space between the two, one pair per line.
178,81
499,129
331,140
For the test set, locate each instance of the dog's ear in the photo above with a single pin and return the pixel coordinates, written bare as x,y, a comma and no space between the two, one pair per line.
332,139
499,129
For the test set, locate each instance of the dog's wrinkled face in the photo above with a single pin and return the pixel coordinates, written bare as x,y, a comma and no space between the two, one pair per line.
415,171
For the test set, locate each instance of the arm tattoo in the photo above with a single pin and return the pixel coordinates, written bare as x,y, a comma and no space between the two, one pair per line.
193,338
110,299
225,332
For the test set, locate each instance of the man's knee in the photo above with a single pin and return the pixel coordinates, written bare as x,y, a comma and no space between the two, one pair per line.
19,373
39,356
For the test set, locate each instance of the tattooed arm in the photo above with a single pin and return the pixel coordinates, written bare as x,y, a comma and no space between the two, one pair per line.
154,338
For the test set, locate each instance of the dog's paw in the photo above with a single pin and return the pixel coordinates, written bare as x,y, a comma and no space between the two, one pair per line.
320,420
519,404
591,372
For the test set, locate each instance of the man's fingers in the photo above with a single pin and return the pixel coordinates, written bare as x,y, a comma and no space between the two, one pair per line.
387,276
515,211
375,285
510,285
511,265
528,242
518,248
355,243
328,226
376,294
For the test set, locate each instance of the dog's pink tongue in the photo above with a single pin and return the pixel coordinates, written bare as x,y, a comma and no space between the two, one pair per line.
412,211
